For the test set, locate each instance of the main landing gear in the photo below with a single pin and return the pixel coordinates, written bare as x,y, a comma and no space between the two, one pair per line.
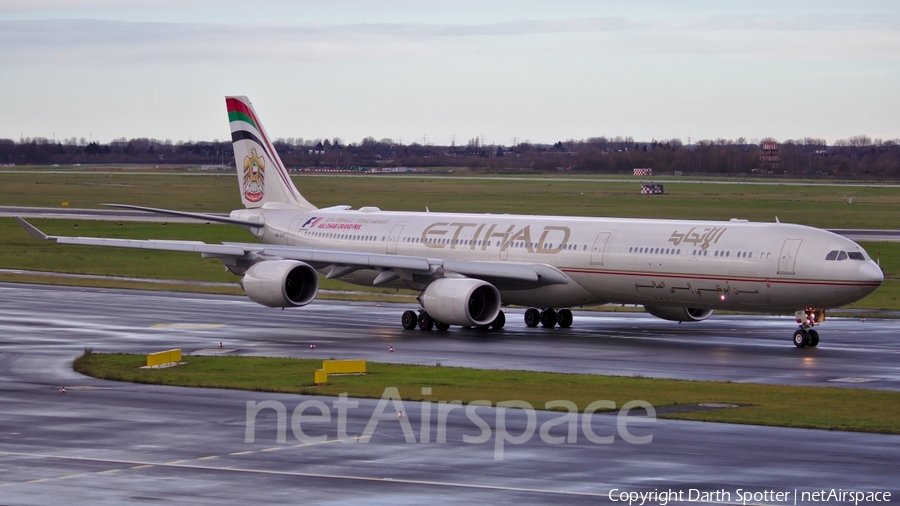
424,321
549,317
806,335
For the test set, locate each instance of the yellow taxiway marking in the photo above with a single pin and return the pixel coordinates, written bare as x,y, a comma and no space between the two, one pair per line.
142,467
275,449
174,462
208,458
38,480
187,326
110,471
71,476
242,453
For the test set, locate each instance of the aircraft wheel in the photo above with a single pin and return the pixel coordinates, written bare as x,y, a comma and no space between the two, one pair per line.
409,320
813,338
532,317
564,318
548,318
499,321
442,326
425,322
801,338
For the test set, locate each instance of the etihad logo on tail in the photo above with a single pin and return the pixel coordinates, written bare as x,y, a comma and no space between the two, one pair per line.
254,186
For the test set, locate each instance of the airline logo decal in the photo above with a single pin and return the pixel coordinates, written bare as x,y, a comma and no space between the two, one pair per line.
549,239
245,126
311,223
254,186
709,235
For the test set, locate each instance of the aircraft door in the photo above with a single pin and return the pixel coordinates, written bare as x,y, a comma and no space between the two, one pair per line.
599,247
393,239
294,231
788,256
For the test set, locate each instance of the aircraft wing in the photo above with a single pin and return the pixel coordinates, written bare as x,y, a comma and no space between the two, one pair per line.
520,275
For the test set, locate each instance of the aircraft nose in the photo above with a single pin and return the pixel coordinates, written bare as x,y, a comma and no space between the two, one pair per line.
870,273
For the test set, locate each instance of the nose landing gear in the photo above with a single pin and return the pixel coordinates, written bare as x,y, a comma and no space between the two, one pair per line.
806,335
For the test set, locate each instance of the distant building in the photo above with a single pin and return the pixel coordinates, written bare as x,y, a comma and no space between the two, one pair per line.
770,157
318,150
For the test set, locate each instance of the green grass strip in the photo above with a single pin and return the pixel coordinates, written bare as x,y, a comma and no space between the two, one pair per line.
829,408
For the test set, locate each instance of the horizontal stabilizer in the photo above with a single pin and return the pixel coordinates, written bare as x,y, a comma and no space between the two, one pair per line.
197,216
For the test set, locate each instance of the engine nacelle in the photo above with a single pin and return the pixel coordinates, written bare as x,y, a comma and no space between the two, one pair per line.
281,283
679,314
465,302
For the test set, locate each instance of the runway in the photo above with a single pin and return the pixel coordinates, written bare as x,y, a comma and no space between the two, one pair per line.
122,443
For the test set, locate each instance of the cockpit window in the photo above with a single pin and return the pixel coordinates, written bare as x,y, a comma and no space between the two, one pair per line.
842,255
831,255
855,255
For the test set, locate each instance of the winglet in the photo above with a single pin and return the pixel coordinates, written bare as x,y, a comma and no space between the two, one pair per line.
37,234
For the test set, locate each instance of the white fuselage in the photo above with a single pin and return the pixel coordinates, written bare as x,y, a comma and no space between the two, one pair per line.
733,265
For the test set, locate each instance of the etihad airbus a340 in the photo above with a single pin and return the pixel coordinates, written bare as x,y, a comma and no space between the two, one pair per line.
468,265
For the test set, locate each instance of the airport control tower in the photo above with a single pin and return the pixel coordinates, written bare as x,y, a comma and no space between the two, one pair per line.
770,157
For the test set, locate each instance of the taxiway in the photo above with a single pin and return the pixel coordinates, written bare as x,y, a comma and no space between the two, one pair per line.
112,443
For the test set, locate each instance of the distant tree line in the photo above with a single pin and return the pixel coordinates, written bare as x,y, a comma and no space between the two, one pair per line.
858,156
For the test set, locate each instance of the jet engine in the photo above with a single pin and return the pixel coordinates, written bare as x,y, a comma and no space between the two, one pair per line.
281,283
461,301
679,314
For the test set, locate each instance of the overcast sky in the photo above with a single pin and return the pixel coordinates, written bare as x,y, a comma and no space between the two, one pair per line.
538,71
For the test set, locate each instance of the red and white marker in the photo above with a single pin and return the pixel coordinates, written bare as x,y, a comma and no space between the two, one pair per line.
391,349
312,346
221,345
400,414
62,390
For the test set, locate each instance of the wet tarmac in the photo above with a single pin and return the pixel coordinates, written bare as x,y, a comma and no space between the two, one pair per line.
112,443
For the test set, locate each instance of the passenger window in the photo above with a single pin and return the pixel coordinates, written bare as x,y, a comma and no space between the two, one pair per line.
855,255
842,255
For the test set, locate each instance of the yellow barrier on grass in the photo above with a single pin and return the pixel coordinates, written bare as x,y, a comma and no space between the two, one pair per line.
321,376
344,366
163,357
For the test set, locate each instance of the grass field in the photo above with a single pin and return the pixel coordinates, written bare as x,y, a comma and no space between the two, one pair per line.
786,406
821,206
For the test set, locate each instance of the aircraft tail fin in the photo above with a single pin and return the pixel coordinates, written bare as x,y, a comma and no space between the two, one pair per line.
262,177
